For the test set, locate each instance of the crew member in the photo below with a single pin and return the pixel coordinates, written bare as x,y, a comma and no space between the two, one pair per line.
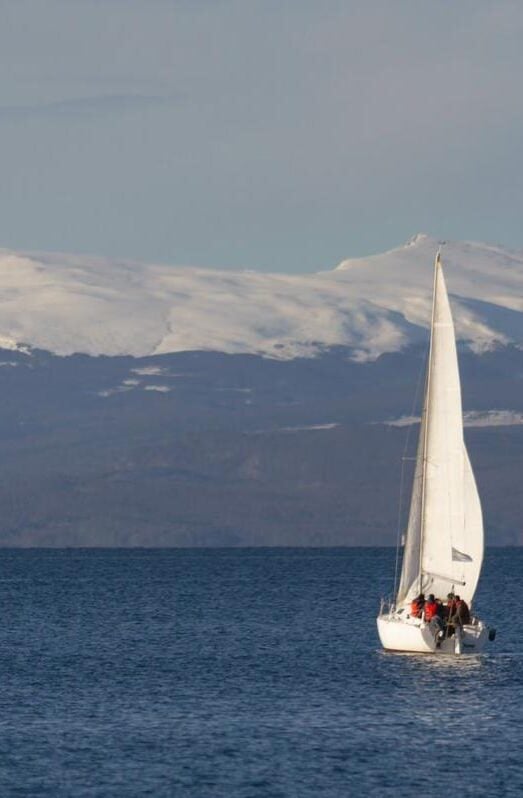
451,606
431,608
416,606
462,611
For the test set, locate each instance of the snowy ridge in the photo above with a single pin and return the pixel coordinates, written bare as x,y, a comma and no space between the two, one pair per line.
68,303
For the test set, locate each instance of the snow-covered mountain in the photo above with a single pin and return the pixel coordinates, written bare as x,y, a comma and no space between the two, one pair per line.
69,304
164,444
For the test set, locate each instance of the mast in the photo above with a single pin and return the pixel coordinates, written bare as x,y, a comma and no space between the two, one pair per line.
426,411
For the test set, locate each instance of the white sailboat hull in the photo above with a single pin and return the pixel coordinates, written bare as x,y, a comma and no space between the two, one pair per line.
418,637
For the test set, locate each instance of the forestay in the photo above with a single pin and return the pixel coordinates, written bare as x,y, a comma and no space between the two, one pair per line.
444,545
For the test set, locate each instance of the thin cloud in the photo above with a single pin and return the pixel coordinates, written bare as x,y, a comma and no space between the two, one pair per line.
84,106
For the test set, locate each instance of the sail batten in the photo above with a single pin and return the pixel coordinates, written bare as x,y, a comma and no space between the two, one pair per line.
445,529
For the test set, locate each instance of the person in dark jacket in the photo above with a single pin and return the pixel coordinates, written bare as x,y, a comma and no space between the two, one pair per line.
450,614
450,609
462,613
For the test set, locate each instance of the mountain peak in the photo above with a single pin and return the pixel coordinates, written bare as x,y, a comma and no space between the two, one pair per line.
418,238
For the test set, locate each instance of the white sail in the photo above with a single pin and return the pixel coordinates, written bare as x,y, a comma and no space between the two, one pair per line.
410,572
444,546
472,534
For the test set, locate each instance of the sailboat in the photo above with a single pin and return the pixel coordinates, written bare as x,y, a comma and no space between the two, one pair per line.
443,549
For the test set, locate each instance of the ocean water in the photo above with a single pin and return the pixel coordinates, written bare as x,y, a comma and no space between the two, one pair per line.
246,674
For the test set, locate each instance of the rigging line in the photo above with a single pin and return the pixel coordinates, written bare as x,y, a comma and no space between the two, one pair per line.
421,370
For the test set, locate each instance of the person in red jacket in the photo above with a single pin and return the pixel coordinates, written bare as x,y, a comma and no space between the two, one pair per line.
431,608
433,616
416,606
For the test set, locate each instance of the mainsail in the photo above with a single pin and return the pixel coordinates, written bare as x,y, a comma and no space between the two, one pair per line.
444,543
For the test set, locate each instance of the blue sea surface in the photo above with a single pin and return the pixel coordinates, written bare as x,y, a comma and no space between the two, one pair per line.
253,673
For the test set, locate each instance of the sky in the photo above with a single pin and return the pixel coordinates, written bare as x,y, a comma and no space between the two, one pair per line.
276,135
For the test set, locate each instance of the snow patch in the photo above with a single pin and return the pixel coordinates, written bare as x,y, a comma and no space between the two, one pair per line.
301,428
147,371
493,418
471,418
235,390
113,391
159,388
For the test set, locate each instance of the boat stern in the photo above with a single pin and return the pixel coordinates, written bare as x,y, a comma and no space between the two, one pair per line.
398,634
